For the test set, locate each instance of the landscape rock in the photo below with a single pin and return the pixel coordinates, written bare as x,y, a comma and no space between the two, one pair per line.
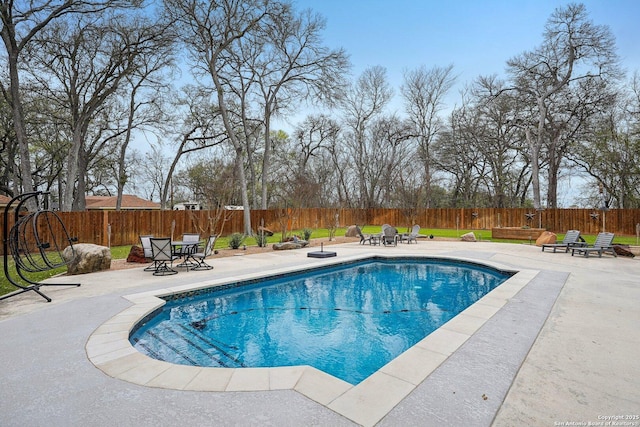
86,258
351,232
546,238
136,254
297,244
468,237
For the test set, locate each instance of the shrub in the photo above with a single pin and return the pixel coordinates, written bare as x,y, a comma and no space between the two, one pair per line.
306,234
261,240
235,240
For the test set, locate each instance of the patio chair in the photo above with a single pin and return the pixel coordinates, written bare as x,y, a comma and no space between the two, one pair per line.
372,239
389,235
410,237
188,244
572,238
185,249
145,242
161,248
199,257
601,245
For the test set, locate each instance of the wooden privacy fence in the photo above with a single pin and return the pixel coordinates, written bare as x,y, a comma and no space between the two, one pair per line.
117,228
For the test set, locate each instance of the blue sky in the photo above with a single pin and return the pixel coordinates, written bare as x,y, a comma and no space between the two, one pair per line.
477,37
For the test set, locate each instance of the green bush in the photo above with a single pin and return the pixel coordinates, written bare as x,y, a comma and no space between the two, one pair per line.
306,233
235,240
261,240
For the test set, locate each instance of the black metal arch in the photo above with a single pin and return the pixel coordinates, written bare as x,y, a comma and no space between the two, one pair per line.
27,243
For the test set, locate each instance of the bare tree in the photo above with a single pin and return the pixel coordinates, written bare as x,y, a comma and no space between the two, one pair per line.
499,139
363,103
390,136
151,171
608,150
423,91
82,65
292,66
317,152
315,133
460,159
573,49
8,150
210,31
19,26
145,103
200,128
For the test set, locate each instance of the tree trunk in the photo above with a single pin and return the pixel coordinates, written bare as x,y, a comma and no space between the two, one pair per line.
534,150
21,134
266,160
238,148
72,171
554,170
245,194
122,172
79,202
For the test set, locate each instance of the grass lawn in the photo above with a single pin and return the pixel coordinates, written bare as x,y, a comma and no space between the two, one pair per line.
121,252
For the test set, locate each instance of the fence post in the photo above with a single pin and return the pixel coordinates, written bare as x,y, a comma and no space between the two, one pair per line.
105,228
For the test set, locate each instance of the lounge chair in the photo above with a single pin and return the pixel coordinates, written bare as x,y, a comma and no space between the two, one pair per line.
206,251
161,248
389,235
601,245
571,239
410,237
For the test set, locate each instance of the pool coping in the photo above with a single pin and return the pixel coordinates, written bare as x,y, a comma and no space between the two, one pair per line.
366,403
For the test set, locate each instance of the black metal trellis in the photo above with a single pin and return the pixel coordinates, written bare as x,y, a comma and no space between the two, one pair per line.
30,253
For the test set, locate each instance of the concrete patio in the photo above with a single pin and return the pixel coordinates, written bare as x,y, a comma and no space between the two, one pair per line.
562,348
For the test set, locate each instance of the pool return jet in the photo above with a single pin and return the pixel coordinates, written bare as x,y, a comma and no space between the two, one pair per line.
34,242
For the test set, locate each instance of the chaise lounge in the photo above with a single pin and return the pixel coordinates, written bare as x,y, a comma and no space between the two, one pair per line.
571,239
601,245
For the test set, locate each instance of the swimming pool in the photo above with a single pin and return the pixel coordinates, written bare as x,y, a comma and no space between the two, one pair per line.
347,320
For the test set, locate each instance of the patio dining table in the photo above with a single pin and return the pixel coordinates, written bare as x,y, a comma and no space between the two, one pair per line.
185,250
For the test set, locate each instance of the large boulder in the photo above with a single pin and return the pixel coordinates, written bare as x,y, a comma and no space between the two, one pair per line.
136,254
468,237
87,258
546,238
351,231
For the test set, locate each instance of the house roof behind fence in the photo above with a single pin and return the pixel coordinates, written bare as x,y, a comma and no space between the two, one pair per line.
129,201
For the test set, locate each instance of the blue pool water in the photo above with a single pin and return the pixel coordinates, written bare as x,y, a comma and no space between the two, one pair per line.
347,320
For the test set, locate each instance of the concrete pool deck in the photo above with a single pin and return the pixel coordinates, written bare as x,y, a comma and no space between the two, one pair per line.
534,360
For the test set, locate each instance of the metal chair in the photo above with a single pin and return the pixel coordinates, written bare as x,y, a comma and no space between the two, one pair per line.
161,248
200,256
187,247
145,242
